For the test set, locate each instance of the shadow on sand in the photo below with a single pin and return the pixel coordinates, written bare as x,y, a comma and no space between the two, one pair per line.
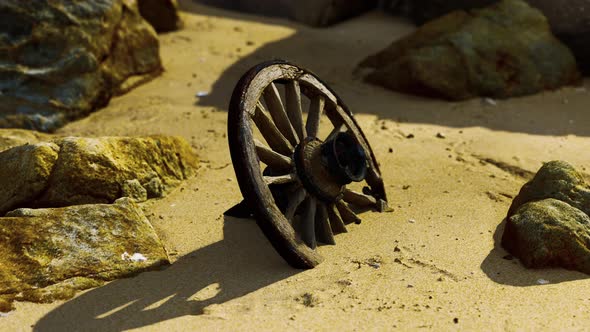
334,52
503,269
241,263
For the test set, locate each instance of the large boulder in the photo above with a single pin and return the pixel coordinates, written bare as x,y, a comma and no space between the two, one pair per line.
48,254
75,170
161,14
570,23
311,12
501,51
548,223
62,59
549,233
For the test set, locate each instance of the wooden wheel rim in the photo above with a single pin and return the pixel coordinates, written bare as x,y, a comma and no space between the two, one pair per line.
257,194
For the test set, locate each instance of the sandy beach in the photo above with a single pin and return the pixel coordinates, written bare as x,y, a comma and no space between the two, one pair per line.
434,263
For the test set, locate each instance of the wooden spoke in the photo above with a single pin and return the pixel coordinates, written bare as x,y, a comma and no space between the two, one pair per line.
271,133
308,223
313,118
294,201
291,218
346,213
281,179
336,222
323,229
271,158
359,199
294,111
335,132
277,111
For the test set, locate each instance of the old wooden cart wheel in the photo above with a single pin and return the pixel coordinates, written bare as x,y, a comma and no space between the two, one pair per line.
293,167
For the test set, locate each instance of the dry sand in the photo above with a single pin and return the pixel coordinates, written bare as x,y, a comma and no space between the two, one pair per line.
441,271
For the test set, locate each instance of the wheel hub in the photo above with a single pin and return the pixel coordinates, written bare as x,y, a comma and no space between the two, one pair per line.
326,167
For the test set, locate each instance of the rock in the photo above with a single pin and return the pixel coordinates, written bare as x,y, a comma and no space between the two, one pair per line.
558,180
501,51
422,11
77,170
14,137
61,59
549,233
47,254
161,14
154,188
311,12
571,23
24,173
133,189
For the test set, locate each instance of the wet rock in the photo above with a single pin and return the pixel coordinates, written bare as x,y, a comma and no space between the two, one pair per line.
76,170
501,51
311,12
47,254
161,14
549,233
61,59
570,23
558,180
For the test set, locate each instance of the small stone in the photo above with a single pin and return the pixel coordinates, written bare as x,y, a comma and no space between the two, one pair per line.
412,221
133,189
409,136
489,102
154,188
543,282
441,135
161,14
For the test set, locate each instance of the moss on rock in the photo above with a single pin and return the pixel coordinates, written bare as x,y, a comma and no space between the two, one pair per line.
41,248
500,51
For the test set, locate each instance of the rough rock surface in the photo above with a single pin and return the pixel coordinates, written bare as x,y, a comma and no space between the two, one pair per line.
161,14
549,233
548,224
48,254
62,59
501,51
14,137
311,12
555,179
77,170
570,23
